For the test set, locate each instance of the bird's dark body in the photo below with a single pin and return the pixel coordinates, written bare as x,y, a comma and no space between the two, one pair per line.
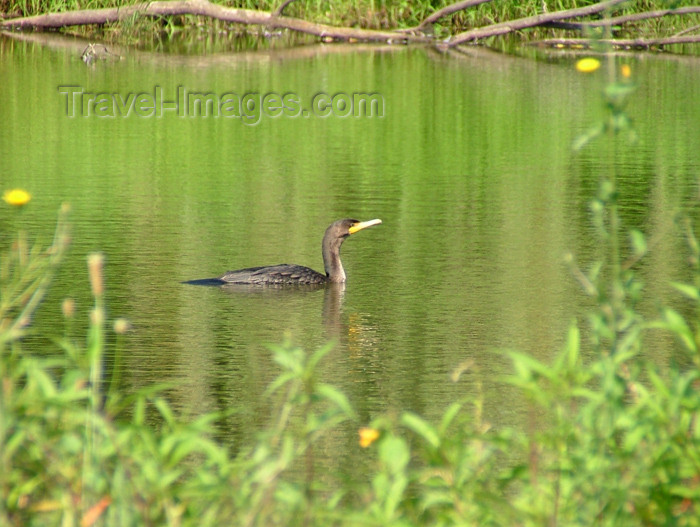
282,274
291,274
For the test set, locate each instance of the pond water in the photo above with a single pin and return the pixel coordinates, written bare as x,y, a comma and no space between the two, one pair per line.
466,157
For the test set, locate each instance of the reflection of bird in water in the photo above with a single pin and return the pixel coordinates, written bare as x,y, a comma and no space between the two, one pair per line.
298,274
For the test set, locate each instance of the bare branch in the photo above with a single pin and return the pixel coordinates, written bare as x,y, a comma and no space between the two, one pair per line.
449,10
618,20
283,5
531,21
687,30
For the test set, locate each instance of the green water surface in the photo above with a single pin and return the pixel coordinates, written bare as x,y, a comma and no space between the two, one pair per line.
466,157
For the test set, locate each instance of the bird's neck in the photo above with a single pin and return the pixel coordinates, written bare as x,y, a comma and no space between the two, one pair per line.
331,260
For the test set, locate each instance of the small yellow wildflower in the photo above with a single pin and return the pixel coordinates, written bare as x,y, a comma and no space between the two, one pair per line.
626,71
587,65
368,436
96,263
121,326
68,307
16,197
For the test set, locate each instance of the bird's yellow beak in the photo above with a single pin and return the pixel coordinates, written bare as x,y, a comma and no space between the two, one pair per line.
363,225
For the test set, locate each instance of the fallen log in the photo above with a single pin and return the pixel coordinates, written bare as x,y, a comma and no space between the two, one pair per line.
276,20
205,8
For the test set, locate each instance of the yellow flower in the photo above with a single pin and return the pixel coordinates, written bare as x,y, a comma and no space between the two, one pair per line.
16,197
121,326
626,71
368,436
588,65
68,307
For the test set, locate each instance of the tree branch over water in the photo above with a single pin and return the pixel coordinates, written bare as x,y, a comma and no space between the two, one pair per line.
531,21
275,19
446,11
203,8
634,17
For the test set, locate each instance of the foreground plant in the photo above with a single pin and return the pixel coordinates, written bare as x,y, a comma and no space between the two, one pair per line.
74,451
63,458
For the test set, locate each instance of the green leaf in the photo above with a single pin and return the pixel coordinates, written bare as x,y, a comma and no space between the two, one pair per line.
639,243
338,398
619,90
449,416
677,324
41,379
661,388
139,415
394,453
166,479
526,366
279,381
687,290
318,355
588,136
436,499
421,427
288,359
13,444
570,354
685,491
634,438
165,411
380,485
289,494
396,491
